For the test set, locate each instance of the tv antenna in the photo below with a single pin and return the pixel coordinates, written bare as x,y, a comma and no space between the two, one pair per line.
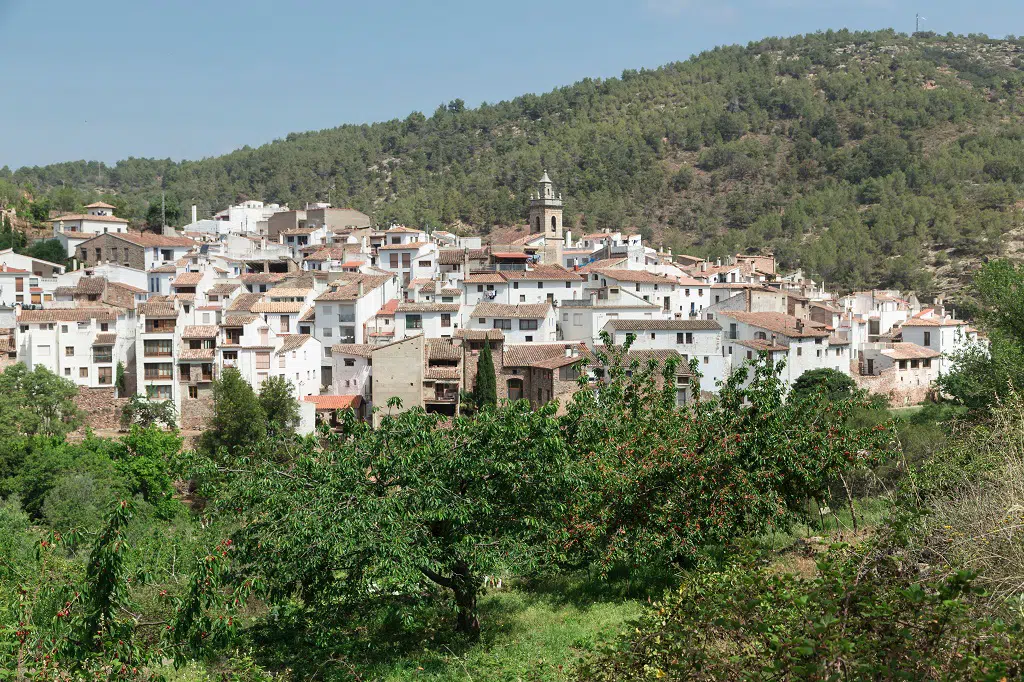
917,22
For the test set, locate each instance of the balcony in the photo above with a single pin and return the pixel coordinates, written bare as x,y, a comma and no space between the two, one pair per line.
102,357
159,376
347,317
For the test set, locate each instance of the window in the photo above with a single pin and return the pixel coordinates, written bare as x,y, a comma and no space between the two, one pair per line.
706,359
926,362
652,336
515,285
350,362
529,339
394,260
540,285
446,319
162,347
414,322
67,371
818,341
527,325
568,285
577,319
83,372
687,292
424,264
44,351
819,352
522,298
479,287
799,350
490,287
63,329
328,310
750,355
193,392
503,324
281,361
406,260
69,351
760,336
732,331
104,326
903,364
638,286
285,324
927,338
482,320
158,392
263,361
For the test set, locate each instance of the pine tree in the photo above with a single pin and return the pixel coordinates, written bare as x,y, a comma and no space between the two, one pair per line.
485,392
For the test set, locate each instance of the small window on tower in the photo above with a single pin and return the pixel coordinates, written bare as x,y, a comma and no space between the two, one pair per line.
554,223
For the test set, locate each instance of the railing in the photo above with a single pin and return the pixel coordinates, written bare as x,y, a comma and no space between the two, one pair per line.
232,341
346,318
446,396
494,267
102,357
160,376
159,329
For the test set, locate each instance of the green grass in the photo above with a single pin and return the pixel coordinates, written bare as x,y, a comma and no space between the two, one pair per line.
526,636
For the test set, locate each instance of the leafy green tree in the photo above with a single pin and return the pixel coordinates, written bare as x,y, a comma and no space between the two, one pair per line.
145,413
983,375
238,421
485,390
832,383
49,250
277,399
379,518
170,210
120,381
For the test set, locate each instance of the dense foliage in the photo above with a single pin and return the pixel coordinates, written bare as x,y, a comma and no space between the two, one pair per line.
864,158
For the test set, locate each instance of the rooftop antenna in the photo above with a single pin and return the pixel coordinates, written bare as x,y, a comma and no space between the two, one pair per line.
917,22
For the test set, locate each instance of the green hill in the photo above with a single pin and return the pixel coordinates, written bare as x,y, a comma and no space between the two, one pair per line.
865,158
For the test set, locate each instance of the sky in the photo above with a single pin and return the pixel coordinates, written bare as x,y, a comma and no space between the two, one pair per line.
188,79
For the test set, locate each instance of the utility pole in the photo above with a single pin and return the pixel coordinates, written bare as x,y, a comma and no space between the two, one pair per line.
163,209
917,23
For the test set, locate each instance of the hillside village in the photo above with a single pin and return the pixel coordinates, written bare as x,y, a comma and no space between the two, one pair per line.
354,314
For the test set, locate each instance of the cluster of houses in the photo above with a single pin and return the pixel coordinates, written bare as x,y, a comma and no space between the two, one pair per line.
353,315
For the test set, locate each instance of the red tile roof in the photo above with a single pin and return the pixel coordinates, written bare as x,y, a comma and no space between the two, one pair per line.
330,403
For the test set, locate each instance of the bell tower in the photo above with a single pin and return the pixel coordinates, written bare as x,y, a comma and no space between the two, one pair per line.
546,219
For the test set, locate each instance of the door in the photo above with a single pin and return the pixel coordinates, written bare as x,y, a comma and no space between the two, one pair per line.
515,389
871,367
667,304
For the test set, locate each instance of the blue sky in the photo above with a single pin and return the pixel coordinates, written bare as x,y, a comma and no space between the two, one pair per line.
193,78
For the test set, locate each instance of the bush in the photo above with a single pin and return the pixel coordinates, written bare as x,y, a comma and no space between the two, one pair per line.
77,502
863,615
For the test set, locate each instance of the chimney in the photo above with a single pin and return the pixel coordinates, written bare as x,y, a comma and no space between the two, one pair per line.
568,351
359,289
568,239
193,213
593,297
718,263
799,325
575,351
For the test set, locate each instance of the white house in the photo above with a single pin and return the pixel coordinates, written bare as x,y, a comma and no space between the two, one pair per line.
297,359
353,370
692,339
526,323
432,320
82,345
939,333
583,320
408,260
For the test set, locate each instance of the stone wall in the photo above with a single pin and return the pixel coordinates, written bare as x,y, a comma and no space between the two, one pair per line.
900,393
196,413
101,409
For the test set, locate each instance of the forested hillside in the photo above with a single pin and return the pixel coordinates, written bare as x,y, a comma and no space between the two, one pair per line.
865,158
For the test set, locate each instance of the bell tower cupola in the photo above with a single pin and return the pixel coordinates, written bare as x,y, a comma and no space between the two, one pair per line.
546,219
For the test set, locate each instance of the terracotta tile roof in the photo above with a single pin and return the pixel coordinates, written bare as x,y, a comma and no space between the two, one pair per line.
776,322
543,272
184,298
455,256
187,279
403,228
7,345
148,239
442,349
239,319
261,277
329,253
309,315
637,276
244,302
164,269
526,310
67,315
361,350
330,403
909,351
543,355
349,288
279,307
759,345
428,307
838,341
933,322
91,285
7,268
72,217
105,340
510,255
283,291
602,264
485,278
452,373
100,204
646,325
480,334
196,354
127,287
158,306
293,342
200,331
399,247
222,289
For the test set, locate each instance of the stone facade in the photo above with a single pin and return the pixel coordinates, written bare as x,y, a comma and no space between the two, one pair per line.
106,247
101,409
196,413
900,393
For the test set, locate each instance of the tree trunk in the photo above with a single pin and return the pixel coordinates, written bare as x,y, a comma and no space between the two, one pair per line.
466,586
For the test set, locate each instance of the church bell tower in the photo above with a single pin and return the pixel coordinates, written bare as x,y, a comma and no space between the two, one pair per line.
546,219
